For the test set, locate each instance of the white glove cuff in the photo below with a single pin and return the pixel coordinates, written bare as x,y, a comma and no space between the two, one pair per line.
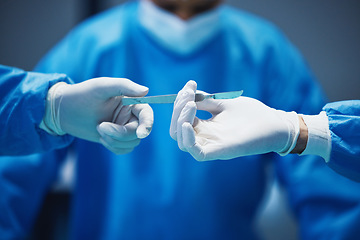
319,138
292,121
51,120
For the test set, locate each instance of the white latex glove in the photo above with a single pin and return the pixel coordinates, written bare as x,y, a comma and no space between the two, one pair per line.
92,110
238,127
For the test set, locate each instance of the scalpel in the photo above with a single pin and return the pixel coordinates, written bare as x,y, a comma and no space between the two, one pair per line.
171,98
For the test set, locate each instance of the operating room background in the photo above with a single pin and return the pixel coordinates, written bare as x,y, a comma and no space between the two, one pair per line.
326,32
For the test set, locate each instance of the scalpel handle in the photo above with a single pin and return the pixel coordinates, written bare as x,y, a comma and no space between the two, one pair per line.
157,99
148,100
171,98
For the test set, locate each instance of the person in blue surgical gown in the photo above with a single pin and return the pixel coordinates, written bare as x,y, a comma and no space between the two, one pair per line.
50,109
158,191
245,126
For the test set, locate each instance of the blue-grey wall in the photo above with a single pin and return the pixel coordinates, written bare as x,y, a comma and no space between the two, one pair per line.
326,32
328,35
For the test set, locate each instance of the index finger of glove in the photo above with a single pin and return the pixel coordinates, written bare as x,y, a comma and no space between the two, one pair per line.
187,115
184,96
111,87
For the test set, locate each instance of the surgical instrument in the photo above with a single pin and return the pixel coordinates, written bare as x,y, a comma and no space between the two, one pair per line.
171,98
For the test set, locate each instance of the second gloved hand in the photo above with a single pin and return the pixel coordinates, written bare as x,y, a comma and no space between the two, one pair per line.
92,110
238,127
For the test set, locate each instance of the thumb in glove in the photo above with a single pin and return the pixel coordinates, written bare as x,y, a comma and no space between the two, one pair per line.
79,108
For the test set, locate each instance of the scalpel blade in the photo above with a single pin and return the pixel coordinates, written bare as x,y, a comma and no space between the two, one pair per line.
171,98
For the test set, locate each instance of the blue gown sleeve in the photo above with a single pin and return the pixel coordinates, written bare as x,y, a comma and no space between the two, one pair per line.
326,205
22,106
344,126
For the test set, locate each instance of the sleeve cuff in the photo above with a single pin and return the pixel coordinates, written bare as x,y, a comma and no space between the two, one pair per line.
319,139
51,120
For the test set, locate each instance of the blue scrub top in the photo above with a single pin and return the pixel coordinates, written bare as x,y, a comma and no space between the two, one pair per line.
344,125
22,106
160,192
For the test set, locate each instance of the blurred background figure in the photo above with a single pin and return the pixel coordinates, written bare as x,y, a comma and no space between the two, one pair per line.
329,43
327,33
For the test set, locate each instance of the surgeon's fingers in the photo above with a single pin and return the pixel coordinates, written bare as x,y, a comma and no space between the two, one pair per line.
145,116
116,150
214,106
185,95
117,138
187,115
118,132
111,87
115,143
122,115
190,144
190,85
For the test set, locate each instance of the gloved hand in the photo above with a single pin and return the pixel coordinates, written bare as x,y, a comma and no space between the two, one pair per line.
238,127
92,110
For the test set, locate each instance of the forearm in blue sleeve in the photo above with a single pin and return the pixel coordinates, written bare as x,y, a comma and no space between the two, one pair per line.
22,106
344,126
326,203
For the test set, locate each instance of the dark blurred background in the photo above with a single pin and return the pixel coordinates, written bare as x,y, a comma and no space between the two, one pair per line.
326,32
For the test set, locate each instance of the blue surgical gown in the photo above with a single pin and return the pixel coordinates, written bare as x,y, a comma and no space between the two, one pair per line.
160,192
344,125
24,180
22,106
